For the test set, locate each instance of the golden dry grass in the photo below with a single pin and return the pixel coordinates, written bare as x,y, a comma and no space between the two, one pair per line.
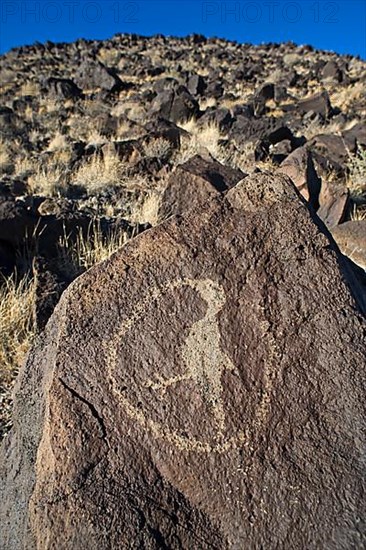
49,181
100,172
17,329
57,143
75,257
5,156
24,166
358,214
157,148
29,88
356,181
200,137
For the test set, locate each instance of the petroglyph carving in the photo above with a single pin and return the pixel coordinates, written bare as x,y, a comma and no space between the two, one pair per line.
204,364
202,354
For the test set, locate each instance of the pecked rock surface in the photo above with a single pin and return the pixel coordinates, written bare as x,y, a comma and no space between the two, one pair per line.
203,388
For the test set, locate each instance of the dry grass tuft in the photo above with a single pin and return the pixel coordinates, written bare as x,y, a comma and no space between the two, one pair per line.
159,148
77,256
96,138
29,88
17,328
58,143
49,181
146,210
5,156
358,214
207,137
24,166
357,174
100,172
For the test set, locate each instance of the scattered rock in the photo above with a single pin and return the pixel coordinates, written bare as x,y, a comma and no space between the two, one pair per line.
318,103
334,204
351,239
214,89
331,147
63,88
93,74
162,128
300,168
331,72
196,85
7,117
219,117
175,106
355,137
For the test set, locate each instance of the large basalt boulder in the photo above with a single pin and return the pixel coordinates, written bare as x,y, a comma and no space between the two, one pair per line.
203,388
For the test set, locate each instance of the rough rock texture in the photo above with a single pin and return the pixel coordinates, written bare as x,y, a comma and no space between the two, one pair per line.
194,183
334,204
203,388
96,75
175,105
351,239
299,167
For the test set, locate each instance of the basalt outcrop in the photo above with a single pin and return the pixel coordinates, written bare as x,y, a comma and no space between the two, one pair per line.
202,388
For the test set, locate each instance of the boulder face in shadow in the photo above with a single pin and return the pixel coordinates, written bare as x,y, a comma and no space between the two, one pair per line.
203,388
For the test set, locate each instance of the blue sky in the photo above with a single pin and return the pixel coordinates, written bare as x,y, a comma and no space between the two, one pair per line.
339,26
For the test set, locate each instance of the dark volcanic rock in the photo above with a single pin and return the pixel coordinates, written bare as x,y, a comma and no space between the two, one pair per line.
93,74
48,289
300,168
162,128
194,183
332,72
16,222
334,204
332,147
7,117
63,88
220,117
318,103
203,388
175,105
355,137
351,239
196,85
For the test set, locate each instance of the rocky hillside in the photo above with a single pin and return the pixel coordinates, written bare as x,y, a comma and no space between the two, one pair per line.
202,385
